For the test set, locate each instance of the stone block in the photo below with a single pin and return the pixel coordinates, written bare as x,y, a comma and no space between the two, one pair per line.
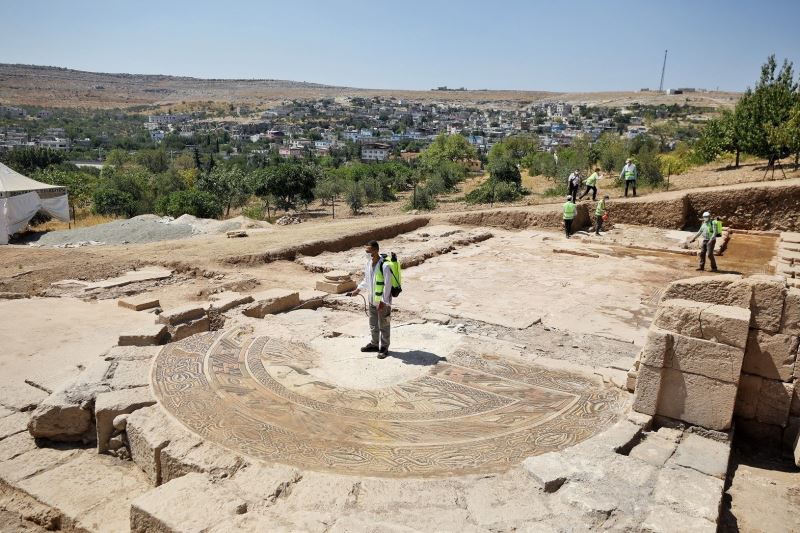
152,335
794,409
774,402
619,438
663,519
109,405
726,289
706,358
189,454
670,434
139,303
177,507
725,324
13,424
335,287
312,298
16,444
227,300
717,323
653,450
766,306
132,353
130,374
272,301
640,419
657,348
696,399
768,437
790,435
66,415
187,329
689,492
747,396
179,315
549,470
149,432
790,323
770,355
704,455
648,387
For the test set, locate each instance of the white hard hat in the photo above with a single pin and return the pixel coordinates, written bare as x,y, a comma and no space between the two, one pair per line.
569,197
706,214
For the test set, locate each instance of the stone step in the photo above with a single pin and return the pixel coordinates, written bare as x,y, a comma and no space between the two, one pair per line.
271,302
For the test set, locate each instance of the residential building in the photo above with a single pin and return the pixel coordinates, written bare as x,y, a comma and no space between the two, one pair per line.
375,152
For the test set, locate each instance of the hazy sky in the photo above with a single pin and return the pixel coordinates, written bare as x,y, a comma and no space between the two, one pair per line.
568,45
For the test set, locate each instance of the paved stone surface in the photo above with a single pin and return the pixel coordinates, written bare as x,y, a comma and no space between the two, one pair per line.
704,455
109,405
151,335
653,450
474,412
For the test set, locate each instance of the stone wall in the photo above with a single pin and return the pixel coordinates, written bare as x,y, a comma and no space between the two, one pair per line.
725,348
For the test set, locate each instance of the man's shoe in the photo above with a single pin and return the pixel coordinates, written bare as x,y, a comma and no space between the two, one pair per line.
699,268
713,270
369,348
383,353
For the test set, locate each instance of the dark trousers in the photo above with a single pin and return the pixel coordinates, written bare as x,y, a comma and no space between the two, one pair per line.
568,226
590,188
630,183
707,248
598,224
573,191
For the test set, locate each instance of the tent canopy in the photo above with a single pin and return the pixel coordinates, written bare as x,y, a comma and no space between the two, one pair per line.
21,198
12,183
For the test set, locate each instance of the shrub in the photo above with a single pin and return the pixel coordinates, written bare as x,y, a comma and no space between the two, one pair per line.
192,202
110,201
559,190
423,198
494,191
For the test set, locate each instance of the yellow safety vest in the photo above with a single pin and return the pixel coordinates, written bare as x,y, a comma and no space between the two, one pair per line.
569,210
630,174
380,281
591,180
601,208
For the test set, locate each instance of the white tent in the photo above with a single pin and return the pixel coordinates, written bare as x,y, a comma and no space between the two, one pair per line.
21,198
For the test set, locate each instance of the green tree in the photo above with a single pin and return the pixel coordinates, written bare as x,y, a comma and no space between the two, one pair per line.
452,148
27,160
329,189
230,185
81,185
191,202
289,182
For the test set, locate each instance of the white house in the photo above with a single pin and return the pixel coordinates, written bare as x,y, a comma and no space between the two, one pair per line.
375,152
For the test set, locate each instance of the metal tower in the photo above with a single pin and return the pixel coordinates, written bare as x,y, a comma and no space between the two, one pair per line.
663,68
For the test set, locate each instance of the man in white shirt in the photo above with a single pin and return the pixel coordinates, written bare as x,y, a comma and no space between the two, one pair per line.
377,283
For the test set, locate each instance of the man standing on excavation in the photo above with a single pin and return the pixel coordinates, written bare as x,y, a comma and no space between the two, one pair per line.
629,174
709,232
377,281
569,215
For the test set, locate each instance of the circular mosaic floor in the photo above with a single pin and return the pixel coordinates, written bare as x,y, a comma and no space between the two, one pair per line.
472,412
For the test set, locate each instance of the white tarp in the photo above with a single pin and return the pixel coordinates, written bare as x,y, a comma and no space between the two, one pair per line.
22,197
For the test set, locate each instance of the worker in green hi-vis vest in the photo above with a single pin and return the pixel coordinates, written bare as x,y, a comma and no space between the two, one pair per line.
591,185
708,229
569,215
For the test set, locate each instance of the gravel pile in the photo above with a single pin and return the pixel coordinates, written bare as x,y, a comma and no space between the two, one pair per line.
143,229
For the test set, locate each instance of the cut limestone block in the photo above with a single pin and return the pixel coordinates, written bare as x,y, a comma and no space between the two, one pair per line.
272,301
130,374
91,492
696,399
336,287
190,454
139,303
648,386
790,323
769,293
187,329
13,424
109,405
179,315
548,470
704,455
718,323
662,519
152,335
747,396
149,431
690,492
726,289
653,450
66,415
770,355
227,300
794,410
16,444
132,353
657,349
706,358
775,400
312,298
176,507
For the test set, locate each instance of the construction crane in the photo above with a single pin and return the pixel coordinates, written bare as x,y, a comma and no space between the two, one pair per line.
663,68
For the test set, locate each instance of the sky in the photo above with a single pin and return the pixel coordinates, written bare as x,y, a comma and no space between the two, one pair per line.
568,45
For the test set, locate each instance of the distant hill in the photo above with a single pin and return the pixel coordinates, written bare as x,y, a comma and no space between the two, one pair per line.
61,87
